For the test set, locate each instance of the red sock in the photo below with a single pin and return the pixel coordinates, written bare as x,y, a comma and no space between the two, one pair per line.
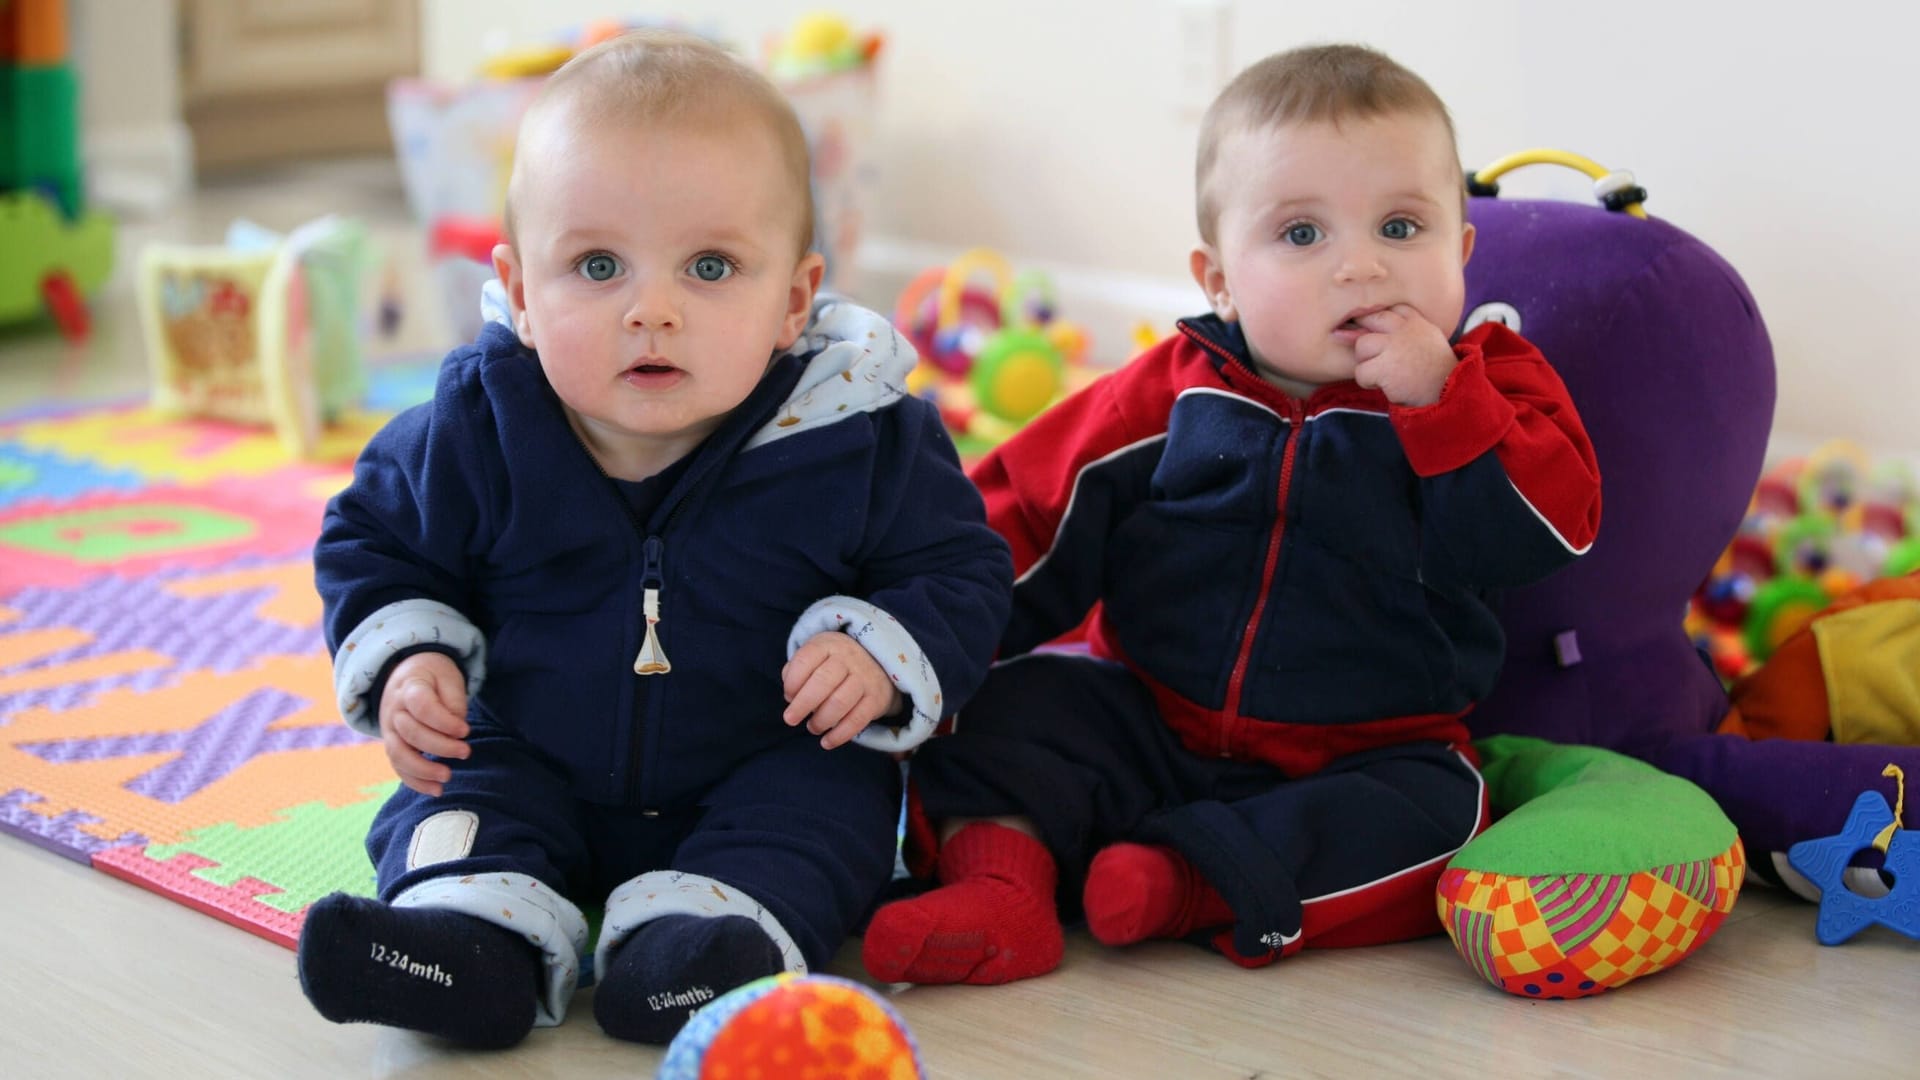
1135,892
991,921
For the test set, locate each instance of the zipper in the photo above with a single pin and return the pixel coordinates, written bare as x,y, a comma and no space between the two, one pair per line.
1296,425
1235,684
652,659
632,761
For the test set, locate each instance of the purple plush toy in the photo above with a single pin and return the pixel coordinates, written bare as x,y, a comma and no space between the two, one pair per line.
1666,356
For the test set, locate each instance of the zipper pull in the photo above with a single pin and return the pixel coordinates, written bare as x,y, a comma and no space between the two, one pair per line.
652,659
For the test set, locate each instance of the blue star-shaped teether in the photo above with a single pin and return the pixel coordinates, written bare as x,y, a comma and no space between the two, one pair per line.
1843,912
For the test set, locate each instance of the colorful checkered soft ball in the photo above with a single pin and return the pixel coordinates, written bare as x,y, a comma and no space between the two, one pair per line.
794,1027
1574,935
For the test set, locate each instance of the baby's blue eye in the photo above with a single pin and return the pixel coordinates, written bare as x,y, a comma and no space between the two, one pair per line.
599,267
1302,235
711,268
1399,229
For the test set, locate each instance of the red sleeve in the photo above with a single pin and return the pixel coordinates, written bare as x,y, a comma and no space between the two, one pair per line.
1057,490
1029,480
1504,396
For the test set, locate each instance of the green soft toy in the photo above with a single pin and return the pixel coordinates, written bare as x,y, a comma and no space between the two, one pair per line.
1602,869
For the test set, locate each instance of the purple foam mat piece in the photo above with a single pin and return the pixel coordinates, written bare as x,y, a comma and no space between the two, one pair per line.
207,752
210,633
59,833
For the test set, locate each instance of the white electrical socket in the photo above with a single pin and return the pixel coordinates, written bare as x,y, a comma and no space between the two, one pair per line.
1200,52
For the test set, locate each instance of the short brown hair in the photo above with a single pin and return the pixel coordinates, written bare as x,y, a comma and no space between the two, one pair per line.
1312,84
664,76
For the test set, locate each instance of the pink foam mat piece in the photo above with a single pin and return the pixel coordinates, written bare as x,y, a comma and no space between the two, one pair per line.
235,904
130,534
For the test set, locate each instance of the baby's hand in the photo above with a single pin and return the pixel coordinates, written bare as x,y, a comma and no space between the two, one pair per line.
837,688
1404,355
423,711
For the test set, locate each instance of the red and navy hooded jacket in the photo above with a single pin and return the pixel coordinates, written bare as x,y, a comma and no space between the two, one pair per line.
1295,580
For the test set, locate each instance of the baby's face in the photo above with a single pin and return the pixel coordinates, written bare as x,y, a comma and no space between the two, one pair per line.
1319,224
656,272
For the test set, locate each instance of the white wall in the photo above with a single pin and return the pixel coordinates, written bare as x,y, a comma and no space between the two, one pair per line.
1053,130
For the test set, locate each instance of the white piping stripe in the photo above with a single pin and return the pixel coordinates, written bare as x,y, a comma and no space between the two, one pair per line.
1480,800
1323,413
1075,497
1269,410
1217,392
1089,466
1548,524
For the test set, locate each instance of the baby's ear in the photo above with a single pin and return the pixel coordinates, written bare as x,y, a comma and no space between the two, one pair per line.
806,281
1211,276
506,263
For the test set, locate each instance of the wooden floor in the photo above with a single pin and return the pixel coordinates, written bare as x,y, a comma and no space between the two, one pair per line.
100,978
105,979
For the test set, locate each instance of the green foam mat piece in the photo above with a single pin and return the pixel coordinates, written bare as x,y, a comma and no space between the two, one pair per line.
314,849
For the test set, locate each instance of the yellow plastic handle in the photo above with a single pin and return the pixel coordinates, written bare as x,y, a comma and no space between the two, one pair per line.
956,279
1605,180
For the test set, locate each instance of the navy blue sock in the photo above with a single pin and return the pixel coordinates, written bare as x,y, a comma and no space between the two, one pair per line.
673,965
424,969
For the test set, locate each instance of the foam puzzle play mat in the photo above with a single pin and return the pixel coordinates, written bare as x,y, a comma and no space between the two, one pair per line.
166,707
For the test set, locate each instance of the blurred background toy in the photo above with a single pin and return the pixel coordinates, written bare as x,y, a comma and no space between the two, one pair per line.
454,142
797,1027
821,43
264,329
54,252
1845,675
460,249
829,73
990,358
541,58
1145,336
1817,528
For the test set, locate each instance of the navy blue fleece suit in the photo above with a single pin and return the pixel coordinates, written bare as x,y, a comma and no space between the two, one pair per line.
478,524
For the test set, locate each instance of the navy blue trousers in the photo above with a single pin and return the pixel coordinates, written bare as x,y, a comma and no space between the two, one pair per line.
809,833
1349,855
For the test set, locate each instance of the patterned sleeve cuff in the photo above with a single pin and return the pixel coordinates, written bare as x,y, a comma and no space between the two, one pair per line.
394,628
898,655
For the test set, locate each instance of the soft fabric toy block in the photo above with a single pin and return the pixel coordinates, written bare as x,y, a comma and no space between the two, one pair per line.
1603,869
1666,356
